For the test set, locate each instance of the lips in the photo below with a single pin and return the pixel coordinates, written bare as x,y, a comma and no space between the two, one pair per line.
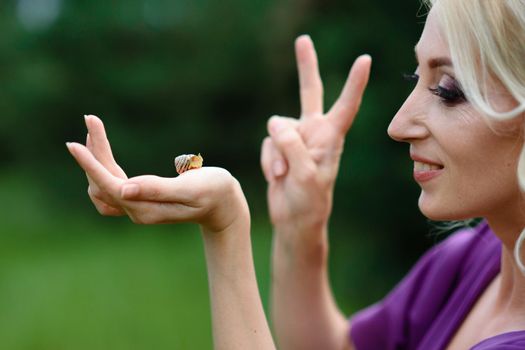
425,169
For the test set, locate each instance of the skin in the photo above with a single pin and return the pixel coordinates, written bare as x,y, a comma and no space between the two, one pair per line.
479,178
211,197
300,160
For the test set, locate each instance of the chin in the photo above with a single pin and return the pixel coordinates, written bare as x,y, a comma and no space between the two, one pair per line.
439,210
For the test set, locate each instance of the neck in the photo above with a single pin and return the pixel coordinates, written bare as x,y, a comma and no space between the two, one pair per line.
510,281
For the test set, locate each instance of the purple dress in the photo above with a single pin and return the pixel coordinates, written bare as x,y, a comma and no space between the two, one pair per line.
427,307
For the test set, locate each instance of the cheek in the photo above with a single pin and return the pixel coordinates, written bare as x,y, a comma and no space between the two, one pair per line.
479,165
481,178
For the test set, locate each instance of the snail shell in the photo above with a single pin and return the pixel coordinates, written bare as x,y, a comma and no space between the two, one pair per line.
186,162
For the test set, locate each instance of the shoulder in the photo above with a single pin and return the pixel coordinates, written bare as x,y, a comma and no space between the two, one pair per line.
405,314
461,241
464,248
449,259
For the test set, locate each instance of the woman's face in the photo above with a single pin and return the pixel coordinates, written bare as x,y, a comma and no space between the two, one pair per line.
464,168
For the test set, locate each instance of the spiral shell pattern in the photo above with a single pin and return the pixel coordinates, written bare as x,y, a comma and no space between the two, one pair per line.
186,162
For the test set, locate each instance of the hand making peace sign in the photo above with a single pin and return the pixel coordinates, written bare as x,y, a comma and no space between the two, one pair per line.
300,158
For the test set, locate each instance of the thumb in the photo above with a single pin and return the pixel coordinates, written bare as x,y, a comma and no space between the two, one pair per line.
154,188
288,141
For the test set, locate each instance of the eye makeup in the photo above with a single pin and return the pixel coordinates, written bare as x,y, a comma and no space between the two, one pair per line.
448,89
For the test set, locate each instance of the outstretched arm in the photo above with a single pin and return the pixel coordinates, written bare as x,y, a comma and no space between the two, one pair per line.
208,196
300,160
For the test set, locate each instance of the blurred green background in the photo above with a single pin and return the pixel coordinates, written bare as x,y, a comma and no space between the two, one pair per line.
172,77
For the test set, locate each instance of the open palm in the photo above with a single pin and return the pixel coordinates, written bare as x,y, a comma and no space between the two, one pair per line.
209,196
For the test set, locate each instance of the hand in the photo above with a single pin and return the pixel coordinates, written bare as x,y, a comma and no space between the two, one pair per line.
208,196
300,158
97,143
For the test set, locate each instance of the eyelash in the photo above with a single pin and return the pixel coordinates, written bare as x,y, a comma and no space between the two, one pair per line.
449,97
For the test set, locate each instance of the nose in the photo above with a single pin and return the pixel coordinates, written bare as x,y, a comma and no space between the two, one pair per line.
409,123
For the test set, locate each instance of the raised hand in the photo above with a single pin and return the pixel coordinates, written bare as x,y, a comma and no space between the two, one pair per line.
300,158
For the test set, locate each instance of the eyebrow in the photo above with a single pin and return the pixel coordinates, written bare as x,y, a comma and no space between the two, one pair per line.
436,62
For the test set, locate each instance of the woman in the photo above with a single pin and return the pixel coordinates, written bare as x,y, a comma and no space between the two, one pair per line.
464,123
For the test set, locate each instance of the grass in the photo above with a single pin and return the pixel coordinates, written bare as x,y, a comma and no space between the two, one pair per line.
88,282
71,279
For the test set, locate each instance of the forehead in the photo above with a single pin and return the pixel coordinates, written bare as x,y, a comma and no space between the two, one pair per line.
432,42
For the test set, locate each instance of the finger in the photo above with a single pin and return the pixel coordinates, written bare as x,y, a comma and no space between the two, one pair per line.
289,122
289,143
143,212
344,110
106,209
272,162
95,170
286,121
159,189
266,159
89,146
96,195
310,84
278,166
95,192
98,143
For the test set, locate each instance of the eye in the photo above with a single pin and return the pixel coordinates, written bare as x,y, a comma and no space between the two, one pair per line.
449,92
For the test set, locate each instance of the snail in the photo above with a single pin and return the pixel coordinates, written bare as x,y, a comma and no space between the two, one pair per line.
186,162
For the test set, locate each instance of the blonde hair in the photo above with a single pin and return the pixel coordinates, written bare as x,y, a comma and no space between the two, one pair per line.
486,39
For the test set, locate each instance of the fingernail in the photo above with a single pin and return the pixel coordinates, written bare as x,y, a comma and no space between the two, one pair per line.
367,56
71,149
278,168
129,191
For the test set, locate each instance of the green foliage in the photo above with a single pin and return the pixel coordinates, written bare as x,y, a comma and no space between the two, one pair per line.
86,282
172,77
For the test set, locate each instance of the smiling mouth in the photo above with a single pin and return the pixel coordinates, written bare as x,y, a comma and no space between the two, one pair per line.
424,172
420,166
